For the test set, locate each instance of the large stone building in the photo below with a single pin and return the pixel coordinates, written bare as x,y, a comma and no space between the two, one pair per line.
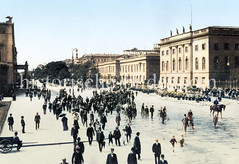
135,66
197,57
8,57
95,58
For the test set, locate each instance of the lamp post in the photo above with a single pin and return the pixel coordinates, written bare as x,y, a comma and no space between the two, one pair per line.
74,49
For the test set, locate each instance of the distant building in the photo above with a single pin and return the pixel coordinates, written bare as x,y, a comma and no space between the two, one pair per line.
197,57
134,66
95,58
8,57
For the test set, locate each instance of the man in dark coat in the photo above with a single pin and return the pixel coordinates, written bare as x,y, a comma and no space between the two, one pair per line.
128,132
100,139
90,133
132,157
117,136
37,121
64,122
80,145
103,121
18,141
23,124
74,133
77,157
112,158
10,122
137,145
152,111
156,148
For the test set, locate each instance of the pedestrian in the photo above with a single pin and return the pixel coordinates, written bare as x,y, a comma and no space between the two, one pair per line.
181,142
117,136
76,118
80,145
85,118
112,157
146,111
173,141
90,133
152,111
137,145
37,121
18,141
110,138
64,161
103,121
74,133
77,157
10,122
132,157
185,122
64,122
44,107
156,148
118,119
163,161
128,132
23,124
100,139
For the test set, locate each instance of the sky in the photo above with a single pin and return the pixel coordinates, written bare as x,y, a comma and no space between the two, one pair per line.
48,30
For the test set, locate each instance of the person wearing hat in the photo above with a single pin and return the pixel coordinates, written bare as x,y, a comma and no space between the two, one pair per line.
100,139
132,157
64,161
77,157
74,132
23,124
112,158
137,145
163,161
117,136
10,121
156,148
18,141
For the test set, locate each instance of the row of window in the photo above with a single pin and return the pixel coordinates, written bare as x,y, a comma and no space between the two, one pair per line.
186,64
186,49
185,80
226,46
133,68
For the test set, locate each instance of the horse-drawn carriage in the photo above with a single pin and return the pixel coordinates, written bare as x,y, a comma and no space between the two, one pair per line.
8,143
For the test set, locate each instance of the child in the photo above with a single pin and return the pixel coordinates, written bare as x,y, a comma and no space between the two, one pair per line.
181,142
173,141
110,138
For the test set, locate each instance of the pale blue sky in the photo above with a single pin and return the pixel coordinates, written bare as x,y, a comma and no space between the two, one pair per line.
47,30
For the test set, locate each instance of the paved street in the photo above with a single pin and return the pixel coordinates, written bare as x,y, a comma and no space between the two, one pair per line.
203,145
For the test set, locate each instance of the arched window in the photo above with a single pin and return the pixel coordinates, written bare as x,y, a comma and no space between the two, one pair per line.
163,65
186,63
173,64
167,66
216,62
203,63
196,63
179,64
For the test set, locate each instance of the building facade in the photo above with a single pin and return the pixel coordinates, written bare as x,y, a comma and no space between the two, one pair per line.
135,66
8,56
109,70
199,58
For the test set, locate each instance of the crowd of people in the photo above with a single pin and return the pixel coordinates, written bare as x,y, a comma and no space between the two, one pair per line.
93,113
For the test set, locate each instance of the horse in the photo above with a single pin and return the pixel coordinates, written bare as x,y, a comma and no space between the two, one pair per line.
217,108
